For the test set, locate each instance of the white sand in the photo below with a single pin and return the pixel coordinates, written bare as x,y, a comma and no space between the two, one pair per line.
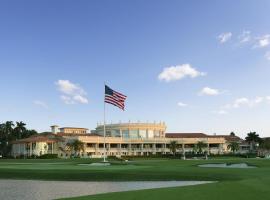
224,165
41,190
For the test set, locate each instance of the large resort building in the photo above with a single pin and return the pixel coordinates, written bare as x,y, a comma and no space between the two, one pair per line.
123,139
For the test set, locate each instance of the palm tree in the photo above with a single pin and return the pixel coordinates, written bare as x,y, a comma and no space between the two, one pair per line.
78,146
253,138
6,130
232,134
19,130
233,146
200,146
75,146
173,147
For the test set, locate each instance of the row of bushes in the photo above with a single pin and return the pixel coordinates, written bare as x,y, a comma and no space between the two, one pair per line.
44,156
171,156
193,155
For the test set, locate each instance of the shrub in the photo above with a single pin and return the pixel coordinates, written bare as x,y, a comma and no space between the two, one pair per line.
48,156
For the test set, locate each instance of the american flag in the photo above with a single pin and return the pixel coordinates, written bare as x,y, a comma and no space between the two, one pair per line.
115,98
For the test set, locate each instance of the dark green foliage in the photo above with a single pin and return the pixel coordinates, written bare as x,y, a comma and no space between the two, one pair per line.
234,146
253,139
9,132
48,156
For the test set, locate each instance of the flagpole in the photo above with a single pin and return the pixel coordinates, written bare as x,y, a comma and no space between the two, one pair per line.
104,130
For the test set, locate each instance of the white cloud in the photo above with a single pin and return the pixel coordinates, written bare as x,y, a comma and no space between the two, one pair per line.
267,55
178,72
246,102
245,37
67,99
41,104
221,112
71,93
263,41
181,104
224,37
80,99
241,102
209,91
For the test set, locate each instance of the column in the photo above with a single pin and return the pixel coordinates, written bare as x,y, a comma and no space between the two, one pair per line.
154,148
142,149
220,149
208,149
183,151
129,148
31,150
120,146
96,148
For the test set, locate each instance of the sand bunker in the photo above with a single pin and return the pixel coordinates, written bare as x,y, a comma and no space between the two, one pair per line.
225,165
43,190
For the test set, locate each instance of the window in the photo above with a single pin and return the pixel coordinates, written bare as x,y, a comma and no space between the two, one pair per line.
125,133
142,134
150,133
156,134
133,133
115,133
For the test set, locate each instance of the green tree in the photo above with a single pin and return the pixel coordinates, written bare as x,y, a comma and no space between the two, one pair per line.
265,144
6,130
173,146
233,146
19,130
78,146
201,146
232,134
253,139
75,146
8,133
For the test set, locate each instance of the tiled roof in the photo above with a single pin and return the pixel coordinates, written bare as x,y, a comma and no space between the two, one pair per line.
231,138
77,134
48,137
186,135
74,128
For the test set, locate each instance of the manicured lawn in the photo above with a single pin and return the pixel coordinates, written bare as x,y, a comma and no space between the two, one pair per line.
232,183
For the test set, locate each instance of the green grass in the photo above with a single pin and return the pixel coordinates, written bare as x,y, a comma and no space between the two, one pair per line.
232,183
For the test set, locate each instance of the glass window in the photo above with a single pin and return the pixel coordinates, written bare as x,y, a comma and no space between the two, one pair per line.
150,133
157,134
115,133
142,133
125,134
133,134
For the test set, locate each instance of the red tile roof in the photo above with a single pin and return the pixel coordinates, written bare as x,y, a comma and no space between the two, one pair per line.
186,135
76,134
46,137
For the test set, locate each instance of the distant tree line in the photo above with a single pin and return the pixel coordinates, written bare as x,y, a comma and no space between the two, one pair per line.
10,131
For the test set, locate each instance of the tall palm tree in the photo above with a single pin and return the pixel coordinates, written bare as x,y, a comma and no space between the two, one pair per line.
253,138
233,146
201,146
173,146
6,136
19,130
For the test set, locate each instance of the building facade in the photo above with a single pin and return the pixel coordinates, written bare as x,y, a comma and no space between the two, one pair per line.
122,139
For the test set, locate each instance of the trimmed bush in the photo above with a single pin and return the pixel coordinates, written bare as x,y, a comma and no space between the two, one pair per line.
48,156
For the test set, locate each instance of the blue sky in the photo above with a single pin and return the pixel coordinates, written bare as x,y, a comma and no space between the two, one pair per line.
200,66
